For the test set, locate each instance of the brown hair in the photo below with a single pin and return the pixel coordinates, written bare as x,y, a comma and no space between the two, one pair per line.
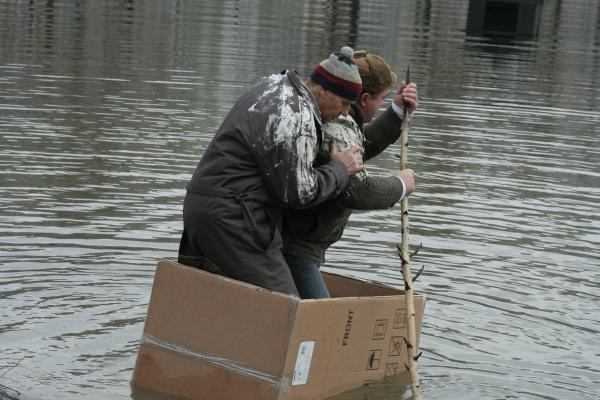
375,73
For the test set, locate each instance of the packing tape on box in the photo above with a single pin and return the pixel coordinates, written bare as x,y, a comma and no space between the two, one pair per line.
207,358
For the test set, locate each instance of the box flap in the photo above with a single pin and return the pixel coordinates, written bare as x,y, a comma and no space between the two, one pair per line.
344,286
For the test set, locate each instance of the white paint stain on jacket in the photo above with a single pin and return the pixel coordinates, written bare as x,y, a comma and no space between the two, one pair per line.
346,133
293,131
273,83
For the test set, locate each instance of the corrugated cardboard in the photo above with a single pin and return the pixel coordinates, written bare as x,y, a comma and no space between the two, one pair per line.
210,337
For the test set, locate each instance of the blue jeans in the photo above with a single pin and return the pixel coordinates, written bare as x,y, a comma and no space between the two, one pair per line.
307,277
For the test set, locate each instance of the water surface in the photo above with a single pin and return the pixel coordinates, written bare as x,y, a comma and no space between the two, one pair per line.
106,107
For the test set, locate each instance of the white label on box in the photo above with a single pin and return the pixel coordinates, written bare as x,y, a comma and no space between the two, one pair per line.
305,353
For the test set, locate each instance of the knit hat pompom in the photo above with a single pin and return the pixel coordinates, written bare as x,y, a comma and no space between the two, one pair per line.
338,74
375,73
347,52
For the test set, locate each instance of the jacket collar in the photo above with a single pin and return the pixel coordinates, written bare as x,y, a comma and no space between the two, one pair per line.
298,84
357,115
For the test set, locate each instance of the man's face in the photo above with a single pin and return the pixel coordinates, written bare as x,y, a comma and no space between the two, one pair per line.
371,103
332,105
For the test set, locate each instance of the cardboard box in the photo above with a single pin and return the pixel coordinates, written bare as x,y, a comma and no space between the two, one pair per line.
210,337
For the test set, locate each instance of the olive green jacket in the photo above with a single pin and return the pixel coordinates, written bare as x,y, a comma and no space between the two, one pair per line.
309,232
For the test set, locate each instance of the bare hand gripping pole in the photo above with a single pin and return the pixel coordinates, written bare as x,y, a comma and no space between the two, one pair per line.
404,254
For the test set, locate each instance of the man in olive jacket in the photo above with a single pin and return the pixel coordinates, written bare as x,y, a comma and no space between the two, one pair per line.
309,232
261,162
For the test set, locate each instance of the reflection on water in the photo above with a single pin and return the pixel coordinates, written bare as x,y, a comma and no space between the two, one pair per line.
391,387
508,19
106,107
138,393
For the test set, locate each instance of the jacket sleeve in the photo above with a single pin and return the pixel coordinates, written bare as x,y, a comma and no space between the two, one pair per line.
286,161
381,132
373,193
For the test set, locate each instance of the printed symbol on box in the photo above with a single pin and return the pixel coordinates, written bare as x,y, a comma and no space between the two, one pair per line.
374,359
379,331
391,369
395,346
400,319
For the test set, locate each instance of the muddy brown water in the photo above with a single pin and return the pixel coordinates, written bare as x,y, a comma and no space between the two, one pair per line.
106,107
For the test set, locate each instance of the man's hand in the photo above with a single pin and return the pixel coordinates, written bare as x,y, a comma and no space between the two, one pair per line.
407,93
352,158
408,177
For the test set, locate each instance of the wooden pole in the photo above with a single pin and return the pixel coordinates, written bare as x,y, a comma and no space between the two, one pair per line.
403,252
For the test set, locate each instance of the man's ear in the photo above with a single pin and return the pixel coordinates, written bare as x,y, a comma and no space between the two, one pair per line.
322,93
362,99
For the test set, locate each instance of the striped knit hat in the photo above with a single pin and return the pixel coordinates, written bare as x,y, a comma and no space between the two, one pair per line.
339,75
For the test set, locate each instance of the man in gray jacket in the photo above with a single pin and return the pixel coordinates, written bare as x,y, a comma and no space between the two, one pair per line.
261,162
